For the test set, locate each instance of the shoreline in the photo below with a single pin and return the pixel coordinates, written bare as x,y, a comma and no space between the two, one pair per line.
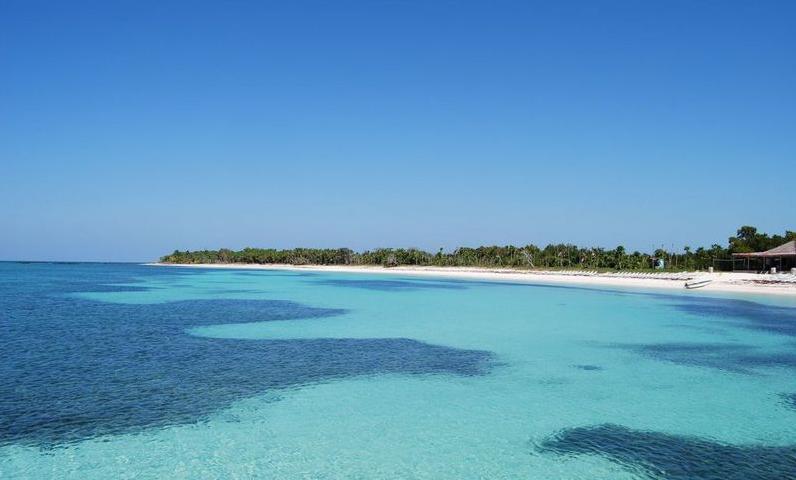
725,282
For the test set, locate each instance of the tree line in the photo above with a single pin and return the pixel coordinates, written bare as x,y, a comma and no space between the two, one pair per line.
560,256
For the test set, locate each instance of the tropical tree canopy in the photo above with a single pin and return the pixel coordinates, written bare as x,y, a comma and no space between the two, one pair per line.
746,239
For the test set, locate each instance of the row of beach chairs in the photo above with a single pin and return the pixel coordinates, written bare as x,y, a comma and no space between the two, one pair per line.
771,279
776,279
650,275
653,275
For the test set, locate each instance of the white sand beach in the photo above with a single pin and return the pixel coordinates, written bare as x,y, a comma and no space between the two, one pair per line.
729,282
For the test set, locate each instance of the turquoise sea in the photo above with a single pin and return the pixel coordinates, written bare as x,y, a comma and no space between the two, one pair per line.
132,371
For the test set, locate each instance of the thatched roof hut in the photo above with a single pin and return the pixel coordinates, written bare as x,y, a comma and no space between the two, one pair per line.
782,257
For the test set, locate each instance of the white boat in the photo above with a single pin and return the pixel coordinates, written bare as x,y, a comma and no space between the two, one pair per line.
698,283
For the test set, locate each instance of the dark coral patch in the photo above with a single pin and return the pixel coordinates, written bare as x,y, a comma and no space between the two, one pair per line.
743,313
74,368
676,457
735,358
588,367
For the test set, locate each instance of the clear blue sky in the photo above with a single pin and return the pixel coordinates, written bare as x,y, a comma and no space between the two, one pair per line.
131,128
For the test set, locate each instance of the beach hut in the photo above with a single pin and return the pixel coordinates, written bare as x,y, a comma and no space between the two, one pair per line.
782,258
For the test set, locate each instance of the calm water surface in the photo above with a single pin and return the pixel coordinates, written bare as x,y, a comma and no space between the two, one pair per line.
129,371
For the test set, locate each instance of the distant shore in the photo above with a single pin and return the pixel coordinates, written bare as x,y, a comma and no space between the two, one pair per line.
729,282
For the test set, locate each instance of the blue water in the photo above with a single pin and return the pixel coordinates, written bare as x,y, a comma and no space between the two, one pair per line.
117,371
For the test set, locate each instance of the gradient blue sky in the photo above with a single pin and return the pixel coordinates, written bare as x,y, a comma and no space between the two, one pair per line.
131,128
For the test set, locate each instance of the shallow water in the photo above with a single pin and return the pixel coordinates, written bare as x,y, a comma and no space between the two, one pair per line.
117,371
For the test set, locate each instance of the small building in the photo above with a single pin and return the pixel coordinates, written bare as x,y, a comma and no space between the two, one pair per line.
783,258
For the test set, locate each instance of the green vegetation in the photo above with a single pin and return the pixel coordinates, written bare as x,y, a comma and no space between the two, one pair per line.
560,256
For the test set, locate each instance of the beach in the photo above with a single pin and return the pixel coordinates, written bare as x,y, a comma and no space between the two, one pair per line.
725,282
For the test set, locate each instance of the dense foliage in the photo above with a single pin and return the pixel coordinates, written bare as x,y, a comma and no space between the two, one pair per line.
747,239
